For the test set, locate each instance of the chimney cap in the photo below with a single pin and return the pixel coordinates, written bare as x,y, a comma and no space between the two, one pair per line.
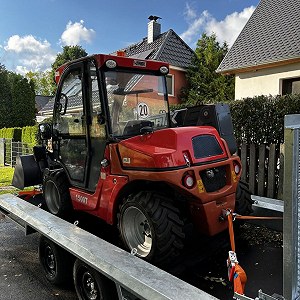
153,18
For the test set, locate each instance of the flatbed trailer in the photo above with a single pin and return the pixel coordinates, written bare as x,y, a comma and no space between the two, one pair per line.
131,275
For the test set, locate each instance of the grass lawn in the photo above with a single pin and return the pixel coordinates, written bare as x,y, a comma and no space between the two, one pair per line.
6,175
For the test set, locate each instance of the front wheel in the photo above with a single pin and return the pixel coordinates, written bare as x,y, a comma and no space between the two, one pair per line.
56,194
90,284
151,227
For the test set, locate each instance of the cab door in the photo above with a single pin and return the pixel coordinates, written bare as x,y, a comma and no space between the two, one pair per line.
77,133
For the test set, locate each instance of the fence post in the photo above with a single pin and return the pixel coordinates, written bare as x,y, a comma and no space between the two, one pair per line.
252,169
244,162
261,170
2,152
271,171
291,216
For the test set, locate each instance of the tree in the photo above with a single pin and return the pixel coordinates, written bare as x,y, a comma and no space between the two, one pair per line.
22,106
5,97
43,82
205,85
17,100
69,53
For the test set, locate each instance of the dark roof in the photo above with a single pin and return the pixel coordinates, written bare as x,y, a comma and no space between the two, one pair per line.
41,101
168,47
271,35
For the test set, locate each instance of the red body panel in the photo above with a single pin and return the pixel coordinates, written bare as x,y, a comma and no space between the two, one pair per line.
165,148
124,62
163,151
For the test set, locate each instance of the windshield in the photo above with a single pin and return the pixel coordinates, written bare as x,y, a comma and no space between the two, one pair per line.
136,101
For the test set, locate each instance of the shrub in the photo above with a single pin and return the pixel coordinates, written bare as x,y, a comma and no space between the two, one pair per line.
261,119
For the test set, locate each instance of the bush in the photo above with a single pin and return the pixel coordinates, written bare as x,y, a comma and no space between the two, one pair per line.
11,133
29,135
261,119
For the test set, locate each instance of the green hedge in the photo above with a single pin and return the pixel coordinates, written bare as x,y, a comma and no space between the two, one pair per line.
27,135
11,133
261,119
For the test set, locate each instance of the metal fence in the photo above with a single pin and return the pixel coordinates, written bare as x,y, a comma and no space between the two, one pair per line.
9,150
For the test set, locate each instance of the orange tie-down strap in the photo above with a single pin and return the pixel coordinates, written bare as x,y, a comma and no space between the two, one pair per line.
26,195
235,272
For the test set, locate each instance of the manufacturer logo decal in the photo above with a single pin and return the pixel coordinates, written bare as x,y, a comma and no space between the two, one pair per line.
139,63
81,199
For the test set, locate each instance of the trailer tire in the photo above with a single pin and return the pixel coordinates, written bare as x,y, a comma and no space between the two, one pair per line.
90,284
151,227
56,262
56,194
243,201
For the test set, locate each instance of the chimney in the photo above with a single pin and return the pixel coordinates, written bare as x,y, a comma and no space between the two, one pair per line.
154,28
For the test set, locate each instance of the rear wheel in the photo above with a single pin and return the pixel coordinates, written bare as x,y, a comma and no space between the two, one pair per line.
90,284
56,194
151,227
56,262
243,202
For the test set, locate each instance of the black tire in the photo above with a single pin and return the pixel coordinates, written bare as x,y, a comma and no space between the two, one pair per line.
151,226
243,201
56,262
56,194
91,285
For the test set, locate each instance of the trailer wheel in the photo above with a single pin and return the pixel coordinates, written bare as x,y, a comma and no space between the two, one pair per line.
56,262
56,194
243,201
151,227
90,284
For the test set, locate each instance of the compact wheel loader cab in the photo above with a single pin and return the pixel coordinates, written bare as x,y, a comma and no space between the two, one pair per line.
115,154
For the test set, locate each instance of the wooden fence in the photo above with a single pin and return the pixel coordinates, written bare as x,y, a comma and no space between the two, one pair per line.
263,169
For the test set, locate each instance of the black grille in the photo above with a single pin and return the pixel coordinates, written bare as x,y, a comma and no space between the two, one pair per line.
206,146
214,179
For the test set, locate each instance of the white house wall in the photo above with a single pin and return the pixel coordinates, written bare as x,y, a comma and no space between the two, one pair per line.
265,81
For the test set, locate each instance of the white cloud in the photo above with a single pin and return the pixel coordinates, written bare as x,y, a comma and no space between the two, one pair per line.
27,53
75,33
225,30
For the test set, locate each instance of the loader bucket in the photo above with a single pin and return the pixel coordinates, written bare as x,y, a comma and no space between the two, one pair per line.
27,172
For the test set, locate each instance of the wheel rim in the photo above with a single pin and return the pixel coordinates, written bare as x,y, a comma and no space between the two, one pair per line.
52,197
137,231
50,262
89,286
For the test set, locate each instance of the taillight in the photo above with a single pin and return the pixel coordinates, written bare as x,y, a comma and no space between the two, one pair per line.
237,167
188,181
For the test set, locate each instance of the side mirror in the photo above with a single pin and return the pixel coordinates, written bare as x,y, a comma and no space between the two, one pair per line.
45,131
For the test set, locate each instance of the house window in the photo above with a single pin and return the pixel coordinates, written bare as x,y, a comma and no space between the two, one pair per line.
170,85
291,86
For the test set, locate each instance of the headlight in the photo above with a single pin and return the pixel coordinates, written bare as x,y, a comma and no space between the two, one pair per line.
111,64
164,70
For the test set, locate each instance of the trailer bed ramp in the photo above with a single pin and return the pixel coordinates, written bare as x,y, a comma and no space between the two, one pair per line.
127,271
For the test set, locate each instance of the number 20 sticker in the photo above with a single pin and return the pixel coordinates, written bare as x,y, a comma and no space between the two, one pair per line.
143,110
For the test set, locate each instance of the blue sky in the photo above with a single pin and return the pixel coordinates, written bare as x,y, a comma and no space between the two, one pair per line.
32,32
